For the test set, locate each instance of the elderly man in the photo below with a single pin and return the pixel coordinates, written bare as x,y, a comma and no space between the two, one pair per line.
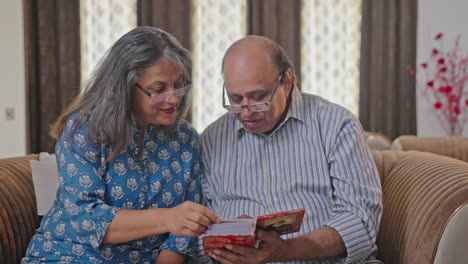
279,149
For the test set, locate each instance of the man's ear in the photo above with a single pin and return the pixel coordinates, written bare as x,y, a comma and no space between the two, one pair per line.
289,80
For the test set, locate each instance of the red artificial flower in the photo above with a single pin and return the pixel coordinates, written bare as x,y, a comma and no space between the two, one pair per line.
452,98
444,85
448,89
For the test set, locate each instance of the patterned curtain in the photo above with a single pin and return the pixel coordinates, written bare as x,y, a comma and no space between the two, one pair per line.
101,24
215,25
330,50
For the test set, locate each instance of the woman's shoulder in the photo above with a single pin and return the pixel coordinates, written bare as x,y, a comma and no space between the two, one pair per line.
185,127
76,131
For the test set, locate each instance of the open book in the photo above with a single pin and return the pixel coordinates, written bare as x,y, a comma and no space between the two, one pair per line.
242,231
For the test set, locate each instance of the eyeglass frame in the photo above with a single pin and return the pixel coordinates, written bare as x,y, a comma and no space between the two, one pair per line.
248,106
166,95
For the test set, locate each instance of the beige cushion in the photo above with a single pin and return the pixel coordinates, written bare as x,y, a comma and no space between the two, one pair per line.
377,141
455,147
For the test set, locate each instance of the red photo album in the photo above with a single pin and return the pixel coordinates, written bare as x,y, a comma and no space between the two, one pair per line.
242,231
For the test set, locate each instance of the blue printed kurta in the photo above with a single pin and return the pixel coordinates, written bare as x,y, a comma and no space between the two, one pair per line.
162,172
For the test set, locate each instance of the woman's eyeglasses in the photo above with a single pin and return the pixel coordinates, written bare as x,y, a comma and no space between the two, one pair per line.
161,97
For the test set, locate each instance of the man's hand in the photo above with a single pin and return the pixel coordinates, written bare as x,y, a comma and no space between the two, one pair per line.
272,248
190,219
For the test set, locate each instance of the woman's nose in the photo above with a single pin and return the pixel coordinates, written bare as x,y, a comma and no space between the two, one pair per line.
172,98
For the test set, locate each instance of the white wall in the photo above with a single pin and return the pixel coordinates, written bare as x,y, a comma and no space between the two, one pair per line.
449,17
12,77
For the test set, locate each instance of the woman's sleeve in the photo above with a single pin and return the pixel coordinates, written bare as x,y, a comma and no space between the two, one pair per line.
184,244
82,189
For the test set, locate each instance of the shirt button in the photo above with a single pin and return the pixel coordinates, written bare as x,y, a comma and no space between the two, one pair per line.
275,200
273,173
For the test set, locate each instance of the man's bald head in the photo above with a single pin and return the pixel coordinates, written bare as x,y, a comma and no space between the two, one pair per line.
256,52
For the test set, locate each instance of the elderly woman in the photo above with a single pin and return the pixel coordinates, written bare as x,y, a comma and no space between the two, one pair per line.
128,164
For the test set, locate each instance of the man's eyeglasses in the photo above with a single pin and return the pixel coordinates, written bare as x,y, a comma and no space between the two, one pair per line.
161,97
255,107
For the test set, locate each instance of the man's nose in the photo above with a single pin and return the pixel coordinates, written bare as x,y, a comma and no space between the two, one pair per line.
245,111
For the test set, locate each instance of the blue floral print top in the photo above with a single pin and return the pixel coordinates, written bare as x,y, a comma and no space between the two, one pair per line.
160,173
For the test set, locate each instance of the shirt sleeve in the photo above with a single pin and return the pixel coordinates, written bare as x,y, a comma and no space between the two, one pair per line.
206,152
357,192
184,244
82,186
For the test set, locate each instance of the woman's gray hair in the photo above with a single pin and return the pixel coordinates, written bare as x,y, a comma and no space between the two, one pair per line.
106,103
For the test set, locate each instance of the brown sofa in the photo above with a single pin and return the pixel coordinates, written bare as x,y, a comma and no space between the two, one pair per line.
18,211
424,217
455,147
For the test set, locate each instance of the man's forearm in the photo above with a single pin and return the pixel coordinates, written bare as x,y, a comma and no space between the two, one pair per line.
322,243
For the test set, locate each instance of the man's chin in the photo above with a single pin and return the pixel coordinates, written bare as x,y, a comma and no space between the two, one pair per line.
257,129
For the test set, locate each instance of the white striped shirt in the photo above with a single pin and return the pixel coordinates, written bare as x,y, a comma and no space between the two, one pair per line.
317,159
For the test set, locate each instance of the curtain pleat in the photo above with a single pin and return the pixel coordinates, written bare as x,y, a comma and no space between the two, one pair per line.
52,43
279,21
172,16
387,102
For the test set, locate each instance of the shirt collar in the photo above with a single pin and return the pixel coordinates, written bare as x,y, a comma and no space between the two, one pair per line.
294,112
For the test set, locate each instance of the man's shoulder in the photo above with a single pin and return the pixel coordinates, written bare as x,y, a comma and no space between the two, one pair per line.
325,108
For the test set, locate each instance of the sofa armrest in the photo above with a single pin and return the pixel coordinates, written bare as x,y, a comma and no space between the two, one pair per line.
454,240
421,193
18,211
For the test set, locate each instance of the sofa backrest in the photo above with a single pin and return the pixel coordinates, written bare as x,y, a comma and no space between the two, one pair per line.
455,147
18,211
421,192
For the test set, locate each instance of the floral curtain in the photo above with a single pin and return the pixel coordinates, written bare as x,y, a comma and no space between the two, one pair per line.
215,25
101,24
330,50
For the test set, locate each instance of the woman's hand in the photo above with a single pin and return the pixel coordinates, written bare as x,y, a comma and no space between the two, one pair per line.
190,219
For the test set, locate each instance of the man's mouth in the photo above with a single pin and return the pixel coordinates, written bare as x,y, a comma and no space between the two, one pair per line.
251,122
